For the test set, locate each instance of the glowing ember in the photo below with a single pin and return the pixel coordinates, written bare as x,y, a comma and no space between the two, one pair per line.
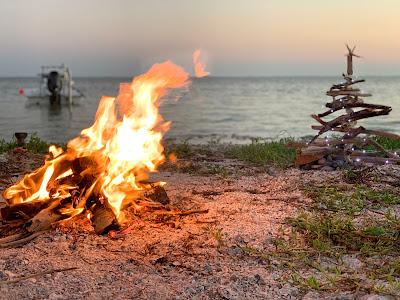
114,155
199,67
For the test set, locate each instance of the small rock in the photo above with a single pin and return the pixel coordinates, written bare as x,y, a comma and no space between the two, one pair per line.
3,158
259,279
54,296
375,297
352,262
176,263
3,275
63,238
160,260
322,161
9,274
311,296
327,168
316,167
339,163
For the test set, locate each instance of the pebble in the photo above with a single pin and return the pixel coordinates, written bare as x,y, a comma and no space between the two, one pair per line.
316,166
376,297
311,296
339,163
3,158
352,262
327,168
54,296
176,263
259,279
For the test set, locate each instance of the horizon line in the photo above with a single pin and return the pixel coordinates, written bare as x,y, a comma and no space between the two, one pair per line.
211,76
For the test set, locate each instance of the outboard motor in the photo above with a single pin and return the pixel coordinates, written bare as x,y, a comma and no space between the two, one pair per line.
54,85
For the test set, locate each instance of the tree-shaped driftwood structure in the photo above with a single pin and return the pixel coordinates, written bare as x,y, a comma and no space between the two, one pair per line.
352,144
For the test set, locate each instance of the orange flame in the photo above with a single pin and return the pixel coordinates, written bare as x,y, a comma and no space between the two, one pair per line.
124,143
199,67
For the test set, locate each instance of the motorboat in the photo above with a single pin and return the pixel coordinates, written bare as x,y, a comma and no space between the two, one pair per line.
55,85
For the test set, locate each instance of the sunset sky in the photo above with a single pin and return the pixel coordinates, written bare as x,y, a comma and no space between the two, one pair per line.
251,38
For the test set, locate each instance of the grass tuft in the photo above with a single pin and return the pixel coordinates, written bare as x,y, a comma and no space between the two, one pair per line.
332,234
263,153
34,144
353,201
387,143
7,146
37,145
181,150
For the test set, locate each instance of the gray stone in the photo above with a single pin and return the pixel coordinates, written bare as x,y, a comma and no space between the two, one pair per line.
339,163
3,158
327,168
316,166
352,262
311,296
376,297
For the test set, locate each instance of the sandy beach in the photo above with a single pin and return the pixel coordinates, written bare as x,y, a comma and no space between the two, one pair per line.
244,247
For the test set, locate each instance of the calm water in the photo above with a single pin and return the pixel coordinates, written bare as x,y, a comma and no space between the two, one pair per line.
232,108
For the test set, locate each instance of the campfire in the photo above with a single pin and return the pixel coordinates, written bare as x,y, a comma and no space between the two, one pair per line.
106,168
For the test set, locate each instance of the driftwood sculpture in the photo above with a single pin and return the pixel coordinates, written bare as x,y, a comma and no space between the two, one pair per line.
352,144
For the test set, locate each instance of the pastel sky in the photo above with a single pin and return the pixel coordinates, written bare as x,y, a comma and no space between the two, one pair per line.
246,37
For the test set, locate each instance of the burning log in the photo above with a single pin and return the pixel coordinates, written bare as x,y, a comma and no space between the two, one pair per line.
103,219
157,193
23,211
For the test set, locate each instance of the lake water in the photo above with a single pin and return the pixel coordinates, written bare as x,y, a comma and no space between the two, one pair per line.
233,109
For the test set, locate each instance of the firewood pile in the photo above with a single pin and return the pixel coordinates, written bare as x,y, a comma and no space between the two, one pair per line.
21,222
350,144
